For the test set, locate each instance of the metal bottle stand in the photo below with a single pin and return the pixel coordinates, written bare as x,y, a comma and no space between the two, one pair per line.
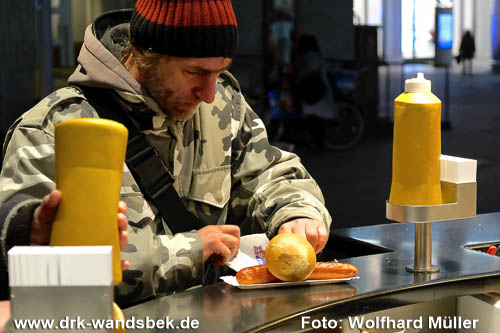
459,202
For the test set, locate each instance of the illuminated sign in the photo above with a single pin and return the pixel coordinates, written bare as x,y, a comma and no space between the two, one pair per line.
445,32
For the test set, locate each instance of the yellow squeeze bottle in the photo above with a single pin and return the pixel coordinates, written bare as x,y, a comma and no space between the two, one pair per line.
416,145
89,164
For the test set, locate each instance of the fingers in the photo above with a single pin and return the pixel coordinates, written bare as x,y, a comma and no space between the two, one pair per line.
232,243
225,246
122,207
230,229
125,264
223,241
322,238
48,207
122,230
223,254
123,239
43,217
312,230
122,222
122,225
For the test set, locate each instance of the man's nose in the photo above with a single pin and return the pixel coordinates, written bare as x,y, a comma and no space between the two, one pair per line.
205,90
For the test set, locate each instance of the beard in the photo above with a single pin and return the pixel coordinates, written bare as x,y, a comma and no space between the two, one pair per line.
177,109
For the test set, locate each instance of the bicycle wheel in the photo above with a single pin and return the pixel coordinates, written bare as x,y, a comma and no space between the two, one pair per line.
346,131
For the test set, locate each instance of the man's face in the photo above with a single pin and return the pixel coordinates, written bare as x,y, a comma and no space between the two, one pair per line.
179,85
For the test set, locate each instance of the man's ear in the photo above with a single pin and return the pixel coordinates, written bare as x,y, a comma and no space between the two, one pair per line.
133,62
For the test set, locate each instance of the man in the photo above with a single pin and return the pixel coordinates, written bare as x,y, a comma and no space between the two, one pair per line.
466,53
165,65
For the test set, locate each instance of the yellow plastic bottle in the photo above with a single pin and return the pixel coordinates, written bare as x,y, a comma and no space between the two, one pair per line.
416,145
89,164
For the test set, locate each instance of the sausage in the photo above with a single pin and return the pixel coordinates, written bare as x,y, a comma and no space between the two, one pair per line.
255,275
322,271
333,270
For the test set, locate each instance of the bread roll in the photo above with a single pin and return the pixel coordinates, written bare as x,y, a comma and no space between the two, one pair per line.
290,257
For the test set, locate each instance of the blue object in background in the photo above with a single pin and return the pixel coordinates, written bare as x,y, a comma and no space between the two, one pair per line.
445,31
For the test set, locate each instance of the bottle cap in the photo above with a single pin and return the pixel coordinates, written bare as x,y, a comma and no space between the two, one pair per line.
418,84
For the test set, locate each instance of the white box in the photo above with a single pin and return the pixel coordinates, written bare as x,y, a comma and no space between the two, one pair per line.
36,266
458,170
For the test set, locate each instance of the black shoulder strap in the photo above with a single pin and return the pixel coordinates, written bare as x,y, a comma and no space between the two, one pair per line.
144,163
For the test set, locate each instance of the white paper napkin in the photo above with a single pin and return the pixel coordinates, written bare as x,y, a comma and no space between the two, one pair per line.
251,252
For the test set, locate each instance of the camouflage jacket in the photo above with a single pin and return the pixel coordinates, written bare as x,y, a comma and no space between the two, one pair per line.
224,170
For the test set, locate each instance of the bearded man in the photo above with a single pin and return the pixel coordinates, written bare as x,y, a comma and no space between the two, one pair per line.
162,69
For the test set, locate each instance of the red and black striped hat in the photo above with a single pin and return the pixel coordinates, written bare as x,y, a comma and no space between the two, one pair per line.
185,28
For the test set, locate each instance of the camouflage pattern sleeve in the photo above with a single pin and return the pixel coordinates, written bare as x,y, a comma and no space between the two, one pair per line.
28,163
16,215
269,186
28,149
160,262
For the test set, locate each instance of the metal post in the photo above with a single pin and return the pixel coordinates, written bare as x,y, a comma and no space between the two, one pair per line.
423,246
46,49
423,250
474,20
462,15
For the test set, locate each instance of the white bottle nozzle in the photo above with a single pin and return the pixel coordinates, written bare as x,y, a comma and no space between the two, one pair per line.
418,85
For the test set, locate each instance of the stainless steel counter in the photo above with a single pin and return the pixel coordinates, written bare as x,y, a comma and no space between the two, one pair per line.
385,251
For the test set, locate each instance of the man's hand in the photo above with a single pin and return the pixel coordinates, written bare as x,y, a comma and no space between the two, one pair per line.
223,241
44,214
122,230
312,230
43,218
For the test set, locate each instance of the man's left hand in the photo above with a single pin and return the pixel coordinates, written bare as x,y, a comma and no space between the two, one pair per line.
312,230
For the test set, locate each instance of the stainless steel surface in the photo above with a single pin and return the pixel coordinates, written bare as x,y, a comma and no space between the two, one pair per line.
459,203
58,303
383,284
463,207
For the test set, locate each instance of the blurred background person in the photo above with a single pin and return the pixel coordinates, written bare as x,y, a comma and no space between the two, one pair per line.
467,50
313,89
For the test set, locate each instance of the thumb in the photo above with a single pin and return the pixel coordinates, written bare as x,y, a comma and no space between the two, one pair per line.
43,218
46,211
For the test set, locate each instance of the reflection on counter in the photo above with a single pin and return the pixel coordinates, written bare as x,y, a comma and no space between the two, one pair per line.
225,308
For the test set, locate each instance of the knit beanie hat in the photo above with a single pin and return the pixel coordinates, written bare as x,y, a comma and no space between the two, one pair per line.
185,28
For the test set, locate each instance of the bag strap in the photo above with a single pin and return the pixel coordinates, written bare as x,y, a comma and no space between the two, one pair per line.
144,163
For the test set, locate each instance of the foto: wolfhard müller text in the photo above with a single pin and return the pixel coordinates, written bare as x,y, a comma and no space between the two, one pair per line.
386,322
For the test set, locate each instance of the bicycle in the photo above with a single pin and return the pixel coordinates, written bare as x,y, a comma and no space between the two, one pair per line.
341,133
347,129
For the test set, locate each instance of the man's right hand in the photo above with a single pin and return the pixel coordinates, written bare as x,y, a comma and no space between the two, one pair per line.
43,218
221,241
44,215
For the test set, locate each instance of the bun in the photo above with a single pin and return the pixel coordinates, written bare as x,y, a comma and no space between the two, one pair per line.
290,257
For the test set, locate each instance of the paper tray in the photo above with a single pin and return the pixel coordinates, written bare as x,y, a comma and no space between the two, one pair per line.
231,280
